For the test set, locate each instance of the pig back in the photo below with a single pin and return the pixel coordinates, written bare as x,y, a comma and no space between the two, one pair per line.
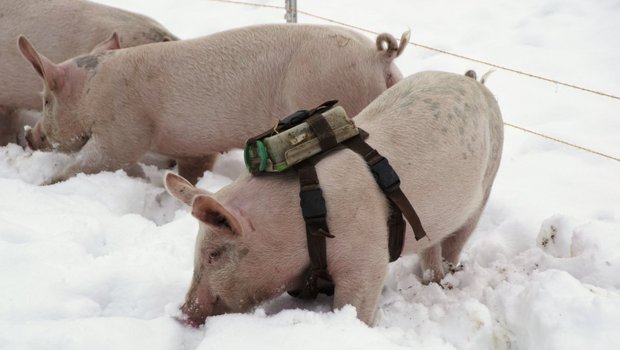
243,80
443,134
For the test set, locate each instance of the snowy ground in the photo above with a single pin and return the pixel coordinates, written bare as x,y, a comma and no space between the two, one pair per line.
102,261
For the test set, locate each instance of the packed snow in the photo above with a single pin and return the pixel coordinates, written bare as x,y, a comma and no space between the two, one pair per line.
103,261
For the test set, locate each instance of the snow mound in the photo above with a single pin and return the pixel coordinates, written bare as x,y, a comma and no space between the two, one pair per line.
103,261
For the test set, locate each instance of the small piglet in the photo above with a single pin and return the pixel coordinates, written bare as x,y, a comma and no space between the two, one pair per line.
62,29
442,133
191,99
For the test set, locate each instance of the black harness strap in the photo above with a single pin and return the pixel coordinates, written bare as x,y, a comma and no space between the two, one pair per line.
317,279
388,181
323,131
314,212
396,236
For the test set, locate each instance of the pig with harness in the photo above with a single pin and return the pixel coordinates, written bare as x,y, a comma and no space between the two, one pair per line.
432,151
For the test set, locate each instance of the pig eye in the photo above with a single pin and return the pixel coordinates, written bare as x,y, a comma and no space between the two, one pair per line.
214,254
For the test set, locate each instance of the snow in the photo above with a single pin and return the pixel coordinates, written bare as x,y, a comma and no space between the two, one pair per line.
103,261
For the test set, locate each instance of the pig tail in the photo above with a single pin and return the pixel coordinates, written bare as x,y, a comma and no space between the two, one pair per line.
393,49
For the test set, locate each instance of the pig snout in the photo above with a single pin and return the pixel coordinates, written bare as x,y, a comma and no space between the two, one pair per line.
196,311
184,320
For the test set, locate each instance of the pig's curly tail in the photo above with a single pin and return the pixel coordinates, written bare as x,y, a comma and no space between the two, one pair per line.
393,48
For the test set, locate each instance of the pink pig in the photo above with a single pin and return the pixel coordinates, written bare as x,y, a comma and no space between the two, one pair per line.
191,99
442,133
62,29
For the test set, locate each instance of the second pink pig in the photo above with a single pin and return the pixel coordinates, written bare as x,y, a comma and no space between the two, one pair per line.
191,99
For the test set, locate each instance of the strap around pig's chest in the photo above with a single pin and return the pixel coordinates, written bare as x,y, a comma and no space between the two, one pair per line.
314,211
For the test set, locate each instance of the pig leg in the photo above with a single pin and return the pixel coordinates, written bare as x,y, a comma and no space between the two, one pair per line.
25,118
193,168
448,251
158,160
134,170
452,246
9,126
361,289
432,264
106,154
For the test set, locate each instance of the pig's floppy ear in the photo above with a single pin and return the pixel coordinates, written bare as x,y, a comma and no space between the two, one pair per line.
180,188
51,73
111,43
208,210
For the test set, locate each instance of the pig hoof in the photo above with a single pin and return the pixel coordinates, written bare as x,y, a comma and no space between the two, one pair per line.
51,181
446,285
431,276
453,268
46,182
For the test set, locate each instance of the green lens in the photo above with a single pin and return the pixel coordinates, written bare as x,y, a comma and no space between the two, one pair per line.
247,157
255,157
280,167
262,154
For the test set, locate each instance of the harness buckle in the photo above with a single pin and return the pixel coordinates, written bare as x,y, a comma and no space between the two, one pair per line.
314,210
312,204
384,174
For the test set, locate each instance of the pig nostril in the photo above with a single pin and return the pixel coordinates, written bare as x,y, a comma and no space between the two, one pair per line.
187,322
193,323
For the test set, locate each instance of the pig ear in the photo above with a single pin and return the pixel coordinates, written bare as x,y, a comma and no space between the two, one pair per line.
208,210
111,43
51,73
180,188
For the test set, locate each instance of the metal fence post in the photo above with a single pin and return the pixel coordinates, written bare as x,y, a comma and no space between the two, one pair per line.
291,11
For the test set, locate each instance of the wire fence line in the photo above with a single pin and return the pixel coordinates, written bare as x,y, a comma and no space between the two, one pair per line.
490,64
430,48
563,142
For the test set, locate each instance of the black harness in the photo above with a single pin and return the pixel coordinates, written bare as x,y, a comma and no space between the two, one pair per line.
317,279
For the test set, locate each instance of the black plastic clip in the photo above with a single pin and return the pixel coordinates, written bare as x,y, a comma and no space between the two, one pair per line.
314,211
312,204
385,175
293,119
